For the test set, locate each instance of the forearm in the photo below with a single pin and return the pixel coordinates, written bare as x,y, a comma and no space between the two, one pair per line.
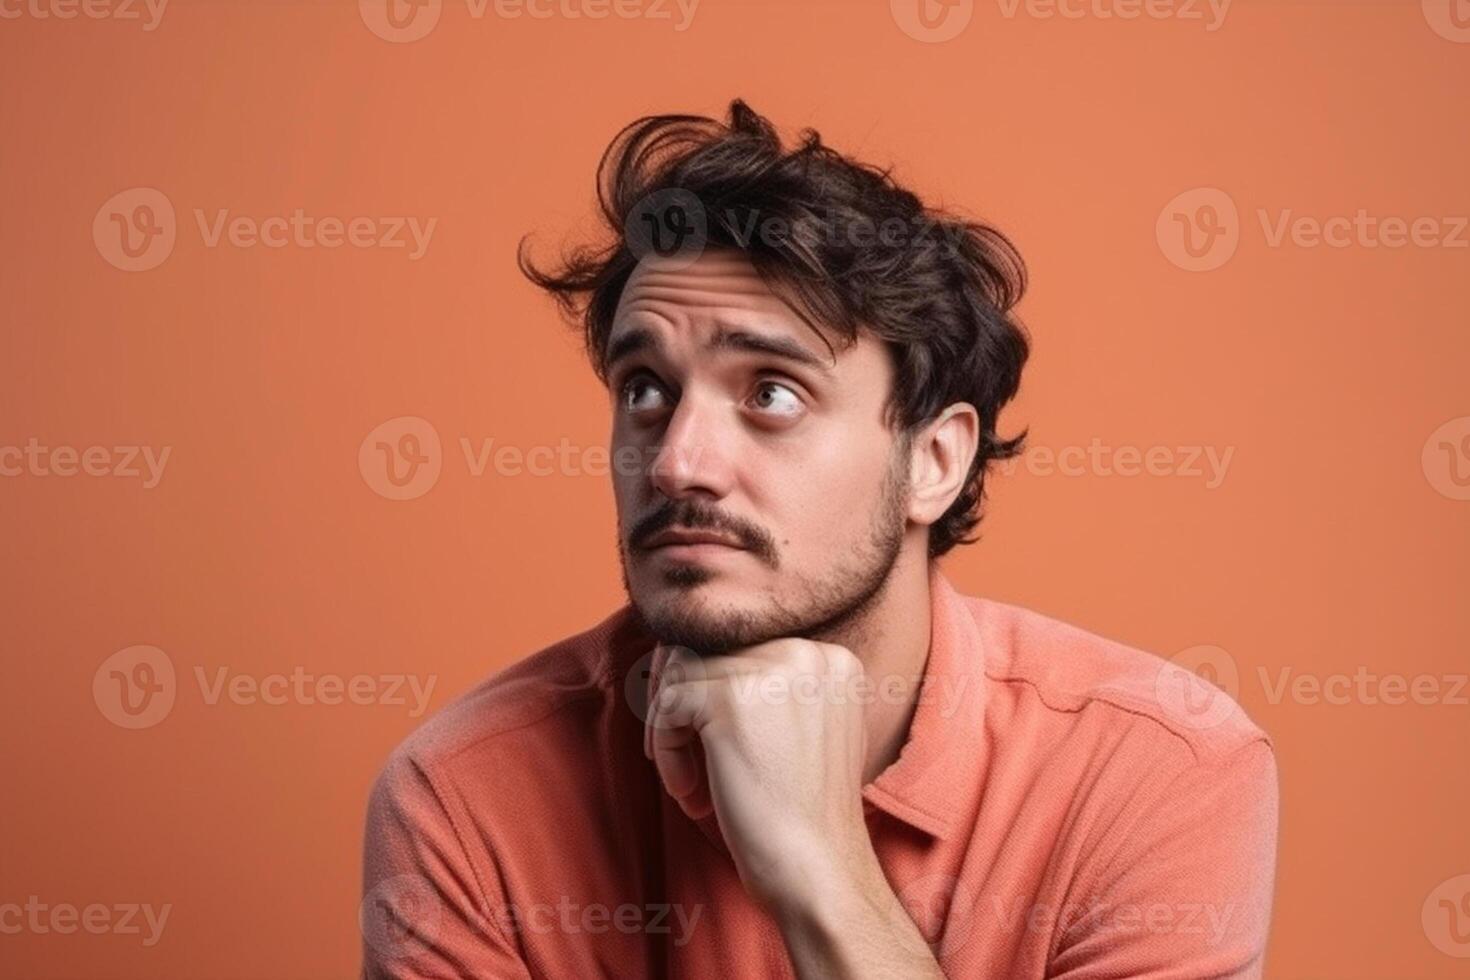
853,927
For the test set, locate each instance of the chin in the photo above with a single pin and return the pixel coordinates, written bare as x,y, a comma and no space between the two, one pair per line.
694,596
710,616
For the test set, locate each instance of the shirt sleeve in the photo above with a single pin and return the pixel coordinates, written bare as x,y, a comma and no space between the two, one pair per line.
1188,892
426,913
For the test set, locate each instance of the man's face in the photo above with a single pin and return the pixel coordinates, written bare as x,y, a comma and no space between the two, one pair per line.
746,427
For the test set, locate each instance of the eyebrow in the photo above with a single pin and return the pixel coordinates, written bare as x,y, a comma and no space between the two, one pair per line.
637,339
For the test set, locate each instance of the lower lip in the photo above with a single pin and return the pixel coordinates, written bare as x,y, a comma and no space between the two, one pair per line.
695,551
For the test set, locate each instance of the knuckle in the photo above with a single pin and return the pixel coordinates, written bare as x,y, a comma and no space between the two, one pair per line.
841,662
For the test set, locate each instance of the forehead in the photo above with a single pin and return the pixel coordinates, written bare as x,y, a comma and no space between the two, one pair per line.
719,291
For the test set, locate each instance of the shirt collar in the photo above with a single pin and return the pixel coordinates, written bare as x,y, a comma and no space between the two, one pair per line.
928,785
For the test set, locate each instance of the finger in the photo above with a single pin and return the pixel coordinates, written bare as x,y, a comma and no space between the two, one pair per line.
673,718
700,802
655,675
679,755
679,770
670,733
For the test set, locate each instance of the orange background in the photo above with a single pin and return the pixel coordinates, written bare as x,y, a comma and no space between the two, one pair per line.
1326,548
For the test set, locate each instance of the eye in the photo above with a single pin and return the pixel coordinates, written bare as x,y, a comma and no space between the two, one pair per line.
773,398
640,394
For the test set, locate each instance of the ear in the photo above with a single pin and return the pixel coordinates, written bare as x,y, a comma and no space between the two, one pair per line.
939,460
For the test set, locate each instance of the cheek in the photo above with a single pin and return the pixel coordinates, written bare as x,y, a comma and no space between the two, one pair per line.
822,499
626,484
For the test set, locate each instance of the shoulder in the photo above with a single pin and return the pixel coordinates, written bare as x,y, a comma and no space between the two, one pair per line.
1067,670
549,697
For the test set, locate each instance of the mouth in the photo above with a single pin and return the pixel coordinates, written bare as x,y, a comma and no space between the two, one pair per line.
680,538
689,545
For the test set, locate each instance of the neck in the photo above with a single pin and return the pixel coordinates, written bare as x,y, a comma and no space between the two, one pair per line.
891,638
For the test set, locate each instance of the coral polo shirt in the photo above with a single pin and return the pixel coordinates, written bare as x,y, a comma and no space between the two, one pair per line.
1064,806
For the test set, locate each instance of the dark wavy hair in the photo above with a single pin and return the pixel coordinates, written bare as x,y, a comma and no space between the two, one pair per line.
939,291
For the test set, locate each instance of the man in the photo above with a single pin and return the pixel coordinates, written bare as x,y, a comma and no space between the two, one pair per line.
799,751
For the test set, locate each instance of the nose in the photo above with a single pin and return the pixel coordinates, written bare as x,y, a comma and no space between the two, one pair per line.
692,458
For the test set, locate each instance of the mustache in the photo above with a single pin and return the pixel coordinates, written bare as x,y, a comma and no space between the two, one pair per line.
698,515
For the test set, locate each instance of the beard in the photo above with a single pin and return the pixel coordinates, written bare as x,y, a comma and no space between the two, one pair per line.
827,607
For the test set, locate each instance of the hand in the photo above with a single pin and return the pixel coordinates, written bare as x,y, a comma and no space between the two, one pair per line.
771,739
